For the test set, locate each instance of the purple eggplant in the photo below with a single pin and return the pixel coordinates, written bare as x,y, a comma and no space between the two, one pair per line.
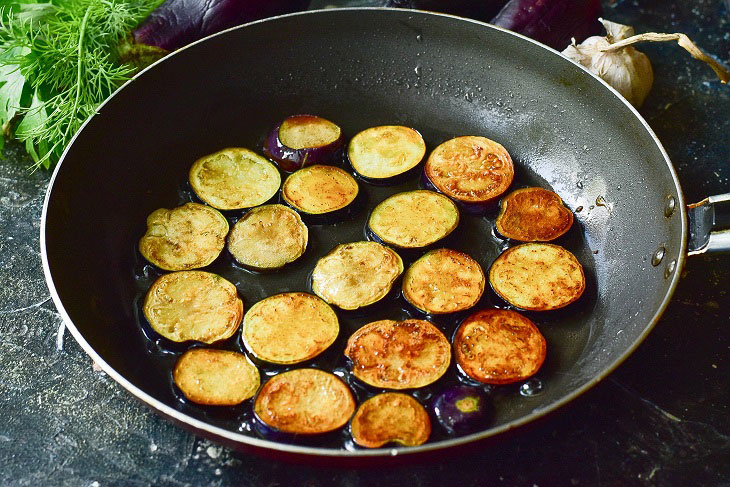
304,140
475,9
176,23
462,409
552,22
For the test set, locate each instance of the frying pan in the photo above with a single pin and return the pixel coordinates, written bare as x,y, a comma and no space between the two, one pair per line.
446,76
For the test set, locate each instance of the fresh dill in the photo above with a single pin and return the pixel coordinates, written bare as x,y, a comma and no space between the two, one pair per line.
58,62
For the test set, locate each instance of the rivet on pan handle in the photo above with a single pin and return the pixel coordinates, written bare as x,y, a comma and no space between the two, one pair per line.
709,225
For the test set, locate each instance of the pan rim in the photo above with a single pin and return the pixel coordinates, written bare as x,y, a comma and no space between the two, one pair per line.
218,433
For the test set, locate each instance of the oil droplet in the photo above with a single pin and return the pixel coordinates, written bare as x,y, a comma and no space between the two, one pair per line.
670,268
579,184
417,70
419,38
670,206
579,209
600,201
532,387
658,256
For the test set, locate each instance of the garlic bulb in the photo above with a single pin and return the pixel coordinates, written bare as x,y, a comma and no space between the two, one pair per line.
613,59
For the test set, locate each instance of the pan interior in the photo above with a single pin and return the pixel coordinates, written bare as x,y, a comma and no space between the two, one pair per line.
360,68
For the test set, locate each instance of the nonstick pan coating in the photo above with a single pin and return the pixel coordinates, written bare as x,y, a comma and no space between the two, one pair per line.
445,76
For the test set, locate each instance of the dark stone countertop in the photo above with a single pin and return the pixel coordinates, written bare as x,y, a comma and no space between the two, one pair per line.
662,418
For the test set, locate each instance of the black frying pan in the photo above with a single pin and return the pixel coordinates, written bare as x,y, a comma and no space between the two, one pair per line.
443,75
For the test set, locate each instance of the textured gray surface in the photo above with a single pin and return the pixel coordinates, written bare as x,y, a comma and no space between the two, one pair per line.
660,419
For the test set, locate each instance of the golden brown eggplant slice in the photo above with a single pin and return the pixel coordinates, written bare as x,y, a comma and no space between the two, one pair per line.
234,178
379,154
315,190
398,354
537,277
533,215
443,281
216,377
498,346
187,237
193,305
356,274
470,169
268,237
413,219
392,417
289,328
304,402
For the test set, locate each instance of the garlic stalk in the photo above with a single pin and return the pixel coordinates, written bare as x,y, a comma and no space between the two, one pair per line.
613,59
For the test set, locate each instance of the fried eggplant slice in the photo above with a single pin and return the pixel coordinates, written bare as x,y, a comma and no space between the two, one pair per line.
472,170
304,402
268,237
413,219
304,140
398,354
216,377
499,346
537,277
381,154
443,281
392,417
533,215
193,305
187,237
234,178
356,274
289,328
319,190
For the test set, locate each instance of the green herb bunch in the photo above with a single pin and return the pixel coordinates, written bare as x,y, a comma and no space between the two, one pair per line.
58,62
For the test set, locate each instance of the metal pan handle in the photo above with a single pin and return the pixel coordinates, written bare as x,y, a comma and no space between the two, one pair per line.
709,225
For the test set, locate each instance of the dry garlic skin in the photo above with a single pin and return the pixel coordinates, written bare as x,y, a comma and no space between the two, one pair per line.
391,417
216,377
234,178
193,305
187,237
268,237
289,328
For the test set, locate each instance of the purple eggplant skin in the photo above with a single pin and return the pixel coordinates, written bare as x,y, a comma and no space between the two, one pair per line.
177,23
474,9
289,159
552,22
462,409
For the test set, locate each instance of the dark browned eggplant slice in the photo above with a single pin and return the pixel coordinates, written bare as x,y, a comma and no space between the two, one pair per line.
268,237
187,237
471,170
356,274
413,219
392,417
234,178
193,305
533,215
289,328
537,277
499,346
382,154
304,402
216,377
443,281
398,354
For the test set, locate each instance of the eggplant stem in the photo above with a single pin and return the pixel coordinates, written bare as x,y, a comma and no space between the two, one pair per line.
683,41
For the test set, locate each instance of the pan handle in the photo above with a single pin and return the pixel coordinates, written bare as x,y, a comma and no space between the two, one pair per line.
709,225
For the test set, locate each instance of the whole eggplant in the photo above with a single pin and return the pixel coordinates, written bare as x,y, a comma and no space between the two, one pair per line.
552,22
176,23
475,9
